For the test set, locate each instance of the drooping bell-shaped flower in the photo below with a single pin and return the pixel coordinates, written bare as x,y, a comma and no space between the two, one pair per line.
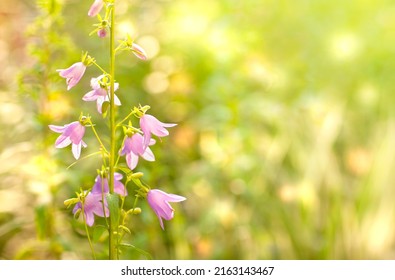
134,148
93,205
73,74
100,93
101,185
71,133
138,51
95,8
102,32
151,125
159,202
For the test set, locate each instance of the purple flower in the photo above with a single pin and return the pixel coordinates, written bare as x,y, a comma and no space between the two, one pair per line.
151,125
72,133
95,8
100,93
133,147
73,74
139,51
159,202
118,186
93,205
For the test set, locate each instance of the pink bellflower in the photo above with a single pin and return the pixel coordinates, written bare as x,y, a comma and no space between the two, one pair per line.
93,205
151,125
95,8
159,202
73,74
101,185
102,32
138,51
71,133
133,147
100,93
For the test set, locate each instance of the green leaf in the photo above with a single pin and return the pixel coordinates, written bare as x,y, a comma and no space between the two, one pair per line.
113,206
100,233
125,229
134,248
41,221
104,108
124,169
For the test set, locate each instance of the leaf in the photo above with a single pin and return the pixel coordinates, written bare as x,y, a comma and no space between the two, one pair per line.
125,229
134,248
100,233
41,221
124,169
113,206
104,108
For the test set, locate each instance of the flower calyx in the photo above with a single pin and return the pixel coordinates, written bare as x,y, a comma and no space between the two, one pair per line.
87,60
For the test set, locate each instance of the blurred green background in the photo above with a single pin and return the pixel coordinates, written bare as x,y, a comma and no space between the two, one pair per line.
286,127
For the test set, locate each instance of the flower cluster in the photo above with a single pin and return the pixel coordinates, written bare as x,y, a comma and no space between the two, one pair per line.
136,142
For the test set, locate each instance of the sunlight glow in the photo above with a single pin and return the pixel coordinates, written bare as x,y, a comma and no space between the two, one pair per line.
126,27
345,46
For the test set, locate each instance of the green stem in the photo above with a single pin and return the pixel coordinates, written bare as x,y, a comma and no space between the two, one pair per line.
119,155
124,218
126,118
87,231
112,227
103,199
98,66
98,138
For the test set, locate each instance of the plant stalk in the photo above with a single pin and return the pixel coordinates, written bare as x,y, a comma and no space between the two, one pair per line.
112,227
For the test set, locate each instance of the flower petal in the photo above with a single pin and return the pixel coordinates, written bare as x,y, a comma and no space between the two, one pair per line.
76,149
90,96
161,223
147,139
101,185
137,145
56,128
116,86
127,148
118,176
139,51
62,141
119,188
95,8
99,104
148,155
76,207
117,101
77,133
89,218
132,160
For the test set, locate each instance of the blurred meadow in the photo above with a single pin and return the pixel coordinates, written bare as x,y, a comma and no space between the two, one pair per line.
285,144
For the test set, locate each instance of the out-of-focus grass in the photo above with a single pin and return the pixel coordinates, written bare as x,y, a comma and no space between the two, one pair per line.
284,146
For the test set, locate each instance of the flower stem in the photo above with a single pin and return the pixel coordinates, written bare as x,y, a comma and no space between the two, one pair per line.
119,155
98,66
112,227
87,231
103,199
98,138
126,118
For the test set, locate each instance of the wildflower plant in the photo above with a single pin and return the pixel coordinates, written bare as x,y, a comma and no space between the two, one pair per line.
105,197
